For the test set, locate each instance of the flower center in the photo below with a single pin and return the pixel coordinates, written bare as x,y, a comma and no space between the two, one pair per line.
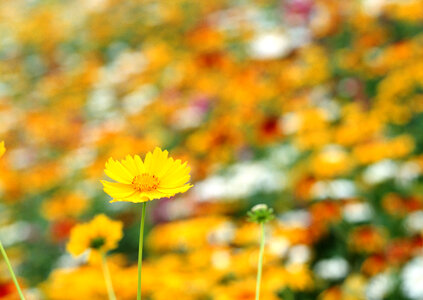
97,243
145,182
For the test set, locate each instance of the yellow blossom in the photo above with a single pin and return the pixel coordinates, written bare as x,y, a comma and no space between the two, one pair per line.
101,234
64,205
158,176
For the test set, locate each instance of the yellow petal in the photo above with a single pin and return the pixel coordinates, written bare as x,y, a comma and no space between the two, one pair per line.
165,168
139,164
177,171
147,162
130,164
117,190
135,199
160,161
116,171
181,189
175,182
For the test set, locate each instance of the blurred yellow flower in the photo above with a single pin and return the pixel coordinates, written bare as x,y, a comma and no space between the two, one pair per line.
87,282
331,162
101,234
2,149
64,205
159,176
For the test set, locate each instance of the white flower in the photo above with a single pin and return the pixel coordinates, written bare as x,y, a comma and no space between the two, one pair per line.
270,45
414,222
381,171
278,246
283,156
135,102
332,268
223,234
336,189
299,254
373,7
379,286
15,233
357,212
295,218
408,172
100,101
412,278
241,180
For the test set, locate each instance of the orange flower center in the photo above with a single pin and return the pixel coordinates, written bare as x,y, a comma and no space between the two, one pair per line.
145,182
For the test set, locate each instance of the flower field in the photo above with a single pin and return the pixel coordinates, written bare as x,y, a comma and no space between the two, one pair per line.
213,122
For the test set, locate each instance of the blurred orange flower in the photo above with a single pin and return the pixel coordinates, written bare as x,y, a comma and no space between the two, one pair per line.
64,205
367,239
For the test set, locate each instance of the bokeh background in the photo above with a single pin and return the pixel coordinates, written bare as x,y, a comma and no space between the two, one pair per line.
314,107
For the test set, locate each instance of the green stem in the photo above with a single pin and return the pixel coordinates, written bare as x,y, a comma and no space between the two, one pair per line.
289,295
260,262
140,250
107,278
9,266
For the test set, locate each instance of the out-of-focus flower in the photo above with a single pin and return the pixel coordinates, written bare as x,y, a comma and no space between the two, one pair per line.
137,181
332,293
7,289
357,212
87,282
367,239
64,205
398,206
300,277
2,148
380,286
374,264
331,162
100,234
378,150
270,46
241,180
412,278
195,233
354,286
332,269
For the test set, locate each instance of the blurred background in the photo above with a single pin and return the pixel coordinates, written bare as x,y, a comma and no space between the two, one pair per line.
314,107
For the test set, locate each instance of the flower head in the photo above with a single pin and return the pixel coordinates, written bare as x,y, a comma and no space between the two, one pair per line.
2,149
158,176
101,234
260,213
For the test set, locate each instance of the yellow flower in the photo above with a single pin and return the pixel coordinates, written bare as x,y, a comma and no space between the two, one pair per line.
2,149
101,234
64,205
157,177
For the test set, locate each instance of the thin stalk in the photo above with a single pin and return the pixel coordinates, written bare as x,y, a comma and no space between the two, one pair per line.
140,250
9,266
260,262
107,278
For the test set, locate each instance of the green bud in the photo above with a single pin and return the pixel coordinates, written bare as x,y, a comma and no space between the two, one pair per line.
260,213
